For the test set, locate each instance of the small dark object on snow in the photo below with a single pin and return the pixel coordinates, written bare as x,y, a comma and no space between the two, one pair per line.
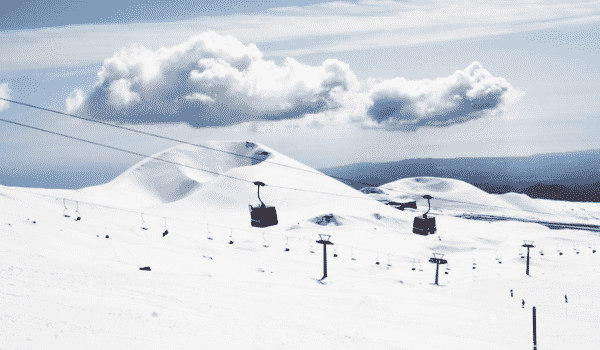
106,236
511,293
522,303
147,268
566,300
401,206
230,242
165,233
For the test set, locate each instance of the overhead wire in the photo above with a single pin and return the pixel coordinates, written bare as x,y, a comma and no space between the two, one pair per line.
175,163
200,146
229,176
177,140
196,145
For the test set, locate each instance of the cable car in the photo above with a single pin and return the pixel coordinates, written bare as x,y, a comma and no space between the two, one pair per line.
262,216
424,225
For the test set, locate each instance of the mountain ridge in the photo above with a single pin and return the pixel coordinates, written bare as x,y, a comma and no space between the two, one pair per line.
570,176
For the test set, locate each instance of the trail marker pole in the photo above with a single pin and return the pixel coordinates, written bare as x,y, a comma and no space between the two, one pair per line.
437,259
534,331
324,241
528,244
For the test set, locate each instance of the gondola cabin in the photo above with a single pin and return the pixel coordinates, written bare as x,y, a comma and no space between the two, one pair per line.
262,216
424,225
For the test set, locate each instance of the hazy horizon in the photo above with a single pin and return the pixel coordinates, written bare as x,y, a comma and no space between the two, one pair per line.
326,83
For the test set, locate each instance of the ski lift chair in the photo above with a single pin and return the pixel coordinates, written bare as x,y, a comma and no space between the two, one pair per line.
262,216
166,230
424,225
143,225
65,211
77,212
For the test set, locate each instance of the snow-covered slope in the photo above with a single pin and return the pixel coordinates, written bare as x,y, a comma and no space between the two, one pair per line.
153,182
65,285
225,189
458,197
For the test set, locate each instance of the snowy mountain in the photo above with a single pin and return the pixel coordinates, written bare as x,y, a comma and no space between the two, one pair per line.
568,176
215,282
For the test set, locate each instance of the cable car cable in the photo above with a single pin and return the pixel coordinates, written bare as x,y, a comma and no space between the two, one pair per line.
176,140
175,163
209,148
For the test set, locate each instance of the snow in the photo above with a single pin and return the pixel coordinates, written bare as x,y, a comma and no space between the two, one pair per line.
64,285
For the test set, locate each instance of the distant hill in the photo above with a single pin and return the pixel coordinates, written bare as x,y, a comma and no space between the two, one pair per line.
571,176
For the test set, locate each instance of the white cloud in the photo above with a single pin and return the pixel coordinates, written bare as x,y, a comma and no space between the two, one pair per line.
467,94
74,101
199,97
211,79
120,94
352,26
4,93
400,104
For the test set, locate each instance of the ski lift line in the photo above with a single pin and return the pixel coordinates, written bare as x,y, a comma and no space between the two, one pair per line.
167,161
208,148
179,141
144,214
402,257
120,149
129,210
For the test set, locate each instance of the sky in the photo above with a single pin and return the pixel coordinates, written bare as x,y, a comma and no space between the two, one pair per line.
326,83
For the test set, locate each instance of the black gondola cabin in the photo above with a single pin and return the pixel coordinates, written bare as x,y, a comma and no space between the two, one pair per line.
424,225
262,216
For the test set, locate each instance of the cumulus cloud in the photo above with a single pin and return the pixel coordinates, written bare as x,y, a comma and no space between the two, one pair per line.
213,80
199,97
4,93
209,80
74,101
468,94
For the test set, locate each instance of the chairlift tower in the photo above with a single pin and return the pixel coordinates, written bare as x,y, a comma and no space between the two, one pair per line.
324,241
528,244
437,259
